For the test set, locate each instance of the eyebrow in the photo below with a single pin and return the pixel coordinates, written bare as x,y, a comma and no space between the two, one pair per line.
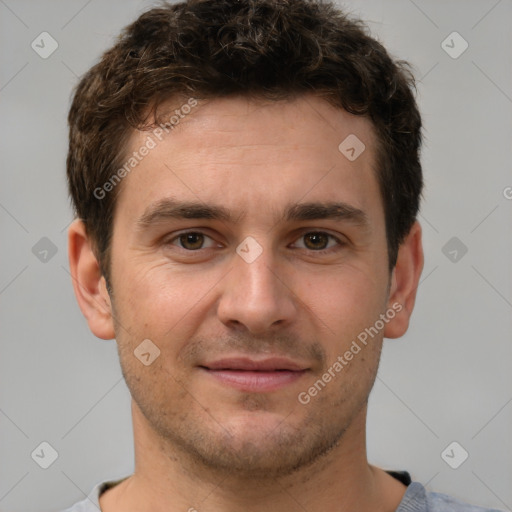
168,209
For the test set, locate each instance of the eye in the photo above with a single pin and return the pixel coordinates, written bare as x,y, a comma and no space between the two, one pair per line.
191,240
318,241
315,241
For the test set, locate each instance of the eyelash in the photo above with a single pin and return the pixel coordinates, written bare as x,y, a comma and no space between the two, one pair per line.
319,252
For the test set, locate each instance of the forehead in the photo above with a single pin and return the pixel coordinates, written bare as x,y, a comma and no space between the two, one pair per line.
254,154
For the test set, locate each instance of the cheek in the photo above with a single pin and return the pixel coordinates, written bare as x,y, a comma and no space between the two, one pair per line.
346,301
160,302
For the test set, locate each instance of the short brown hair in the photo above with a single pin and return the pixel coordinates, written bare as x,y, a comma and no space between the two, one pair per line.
271,49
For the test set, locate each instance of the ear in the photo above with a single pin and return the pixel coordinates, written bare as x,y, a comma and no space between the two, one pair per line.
404,282
88,283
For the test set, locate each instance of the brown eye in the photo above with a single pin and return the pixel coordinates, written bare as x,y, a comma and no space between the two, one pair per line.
192,241
316,240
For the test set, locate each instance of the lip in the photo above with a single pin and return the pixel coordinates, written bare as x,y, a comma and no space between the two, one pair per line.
262,365
252,375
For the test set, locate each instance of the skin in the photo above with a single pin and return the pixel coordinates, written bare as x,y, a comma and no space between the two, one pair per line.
200,444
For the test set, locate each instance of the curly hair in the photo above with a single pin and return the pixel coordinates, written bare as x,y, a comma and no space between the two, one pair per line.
272,49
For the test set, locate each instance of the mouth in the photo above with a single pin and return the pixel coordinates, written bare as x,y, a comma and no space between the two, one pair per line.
252,375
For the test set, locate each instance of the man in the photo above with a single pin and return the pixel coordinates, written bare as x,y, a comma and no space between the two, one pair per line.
246,181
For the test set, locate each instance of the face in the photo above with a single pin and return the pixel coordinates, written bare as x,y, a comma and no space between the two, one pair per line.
251,252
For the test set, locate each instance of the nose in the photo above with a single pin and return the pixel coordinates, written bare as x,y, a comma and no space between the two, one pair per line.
257,295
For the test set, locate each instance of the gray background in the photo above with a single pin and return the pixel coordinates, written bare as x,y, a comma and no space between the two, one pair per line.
447,380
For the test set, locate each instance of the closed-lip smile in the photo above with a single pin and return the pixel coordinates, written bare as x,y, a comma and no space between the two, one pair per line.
255,375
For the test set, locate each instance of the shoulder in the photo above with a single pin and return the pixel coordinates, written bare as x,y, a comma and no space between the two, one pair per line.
443,503
418,499
91,502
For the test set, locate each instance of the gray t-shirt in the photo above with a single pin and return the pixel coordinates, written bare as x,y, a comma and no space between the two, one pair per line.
416,498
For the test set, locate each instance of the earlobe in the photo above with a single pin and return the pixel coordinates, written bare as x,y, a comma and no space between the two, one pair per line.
404,282
88,283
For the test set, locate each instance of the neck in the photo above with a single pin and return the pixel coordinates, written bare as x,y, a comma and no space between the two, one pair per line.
166,479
